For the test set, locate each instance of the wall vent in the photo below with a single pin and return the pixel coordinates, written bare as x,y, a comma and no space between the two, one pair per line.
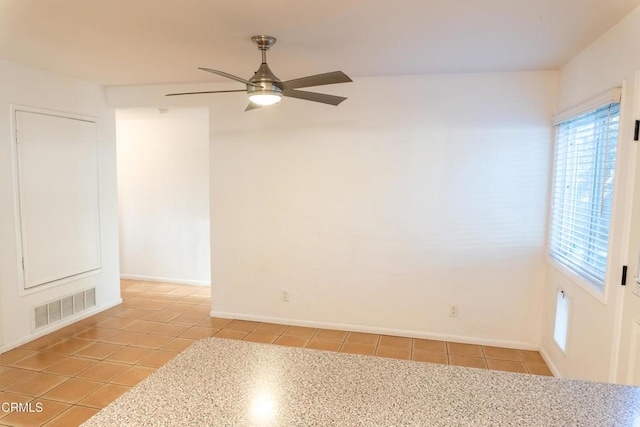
58,309
41,316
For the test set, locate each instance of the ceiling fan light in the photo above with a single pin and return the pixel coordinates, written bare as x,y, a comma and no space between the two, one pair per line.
265,98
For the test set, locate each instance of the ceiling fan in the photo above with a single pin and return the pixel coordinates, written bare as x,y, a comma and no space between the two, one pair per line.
264,88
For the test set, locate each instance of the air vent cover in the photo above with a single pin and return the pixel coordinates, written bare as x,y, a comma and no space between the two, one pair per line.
67,306
58,309
41,316
55,311
78,302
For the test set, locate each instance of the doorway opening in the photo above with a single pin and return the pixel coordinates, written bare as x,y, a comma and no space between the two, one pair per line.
163,194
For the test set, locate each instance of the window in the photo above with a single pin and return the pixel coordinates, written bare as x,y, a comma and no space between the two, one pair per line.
582,192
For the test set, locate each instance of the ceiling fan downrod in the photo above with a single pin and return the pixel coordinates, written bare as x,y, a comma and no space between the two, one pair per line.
264,43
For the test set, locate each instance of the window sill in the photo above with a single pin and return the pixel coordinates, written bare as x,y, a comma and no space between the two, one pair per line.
580,282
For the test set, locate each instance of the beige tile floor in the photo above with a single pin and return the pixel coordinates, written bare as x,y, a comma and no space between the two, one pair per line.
81,368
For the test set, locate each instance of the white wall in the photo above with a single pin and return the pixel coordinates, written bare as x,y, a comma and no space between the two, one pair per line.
163,194
29,87
416,193
592,343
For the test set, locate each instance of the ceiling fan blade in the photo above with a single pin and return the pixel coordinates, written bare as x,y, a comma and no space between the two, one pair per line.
230,76
211,91
314,96
317,80
252,106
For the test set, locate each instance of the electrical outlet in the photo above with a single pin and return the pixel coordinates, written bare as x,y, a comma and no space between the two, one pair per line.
285,295
453,311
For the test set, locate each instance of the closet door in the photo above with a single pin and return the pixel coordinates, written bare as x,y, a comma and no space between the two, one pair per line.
58,197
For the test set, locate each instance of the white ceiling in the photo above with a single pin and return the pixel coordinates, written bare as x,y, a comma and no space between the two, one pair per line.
126,42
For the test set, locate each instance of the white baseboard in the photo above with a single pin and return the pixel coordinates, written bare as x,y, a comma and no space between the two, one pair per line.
379,330
59,325
165,280
554,370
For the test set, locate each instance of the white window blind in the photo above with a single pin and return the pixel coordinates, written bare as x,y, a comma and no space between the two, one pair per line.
582,193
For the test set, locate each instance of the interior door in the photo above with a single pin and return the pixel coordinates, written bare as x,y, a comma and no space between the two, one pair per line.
629,362
58,196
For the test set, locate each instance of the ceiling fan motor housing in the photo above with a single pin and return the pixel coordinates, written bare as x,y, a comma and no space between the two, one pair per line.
265,78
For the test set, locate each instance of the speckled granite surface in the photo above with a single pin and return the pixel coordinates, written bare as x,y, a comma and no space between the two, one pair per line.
219,382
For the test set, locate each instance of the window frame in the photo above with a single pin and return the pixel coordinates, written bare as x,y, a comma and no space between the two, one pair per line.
594,289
